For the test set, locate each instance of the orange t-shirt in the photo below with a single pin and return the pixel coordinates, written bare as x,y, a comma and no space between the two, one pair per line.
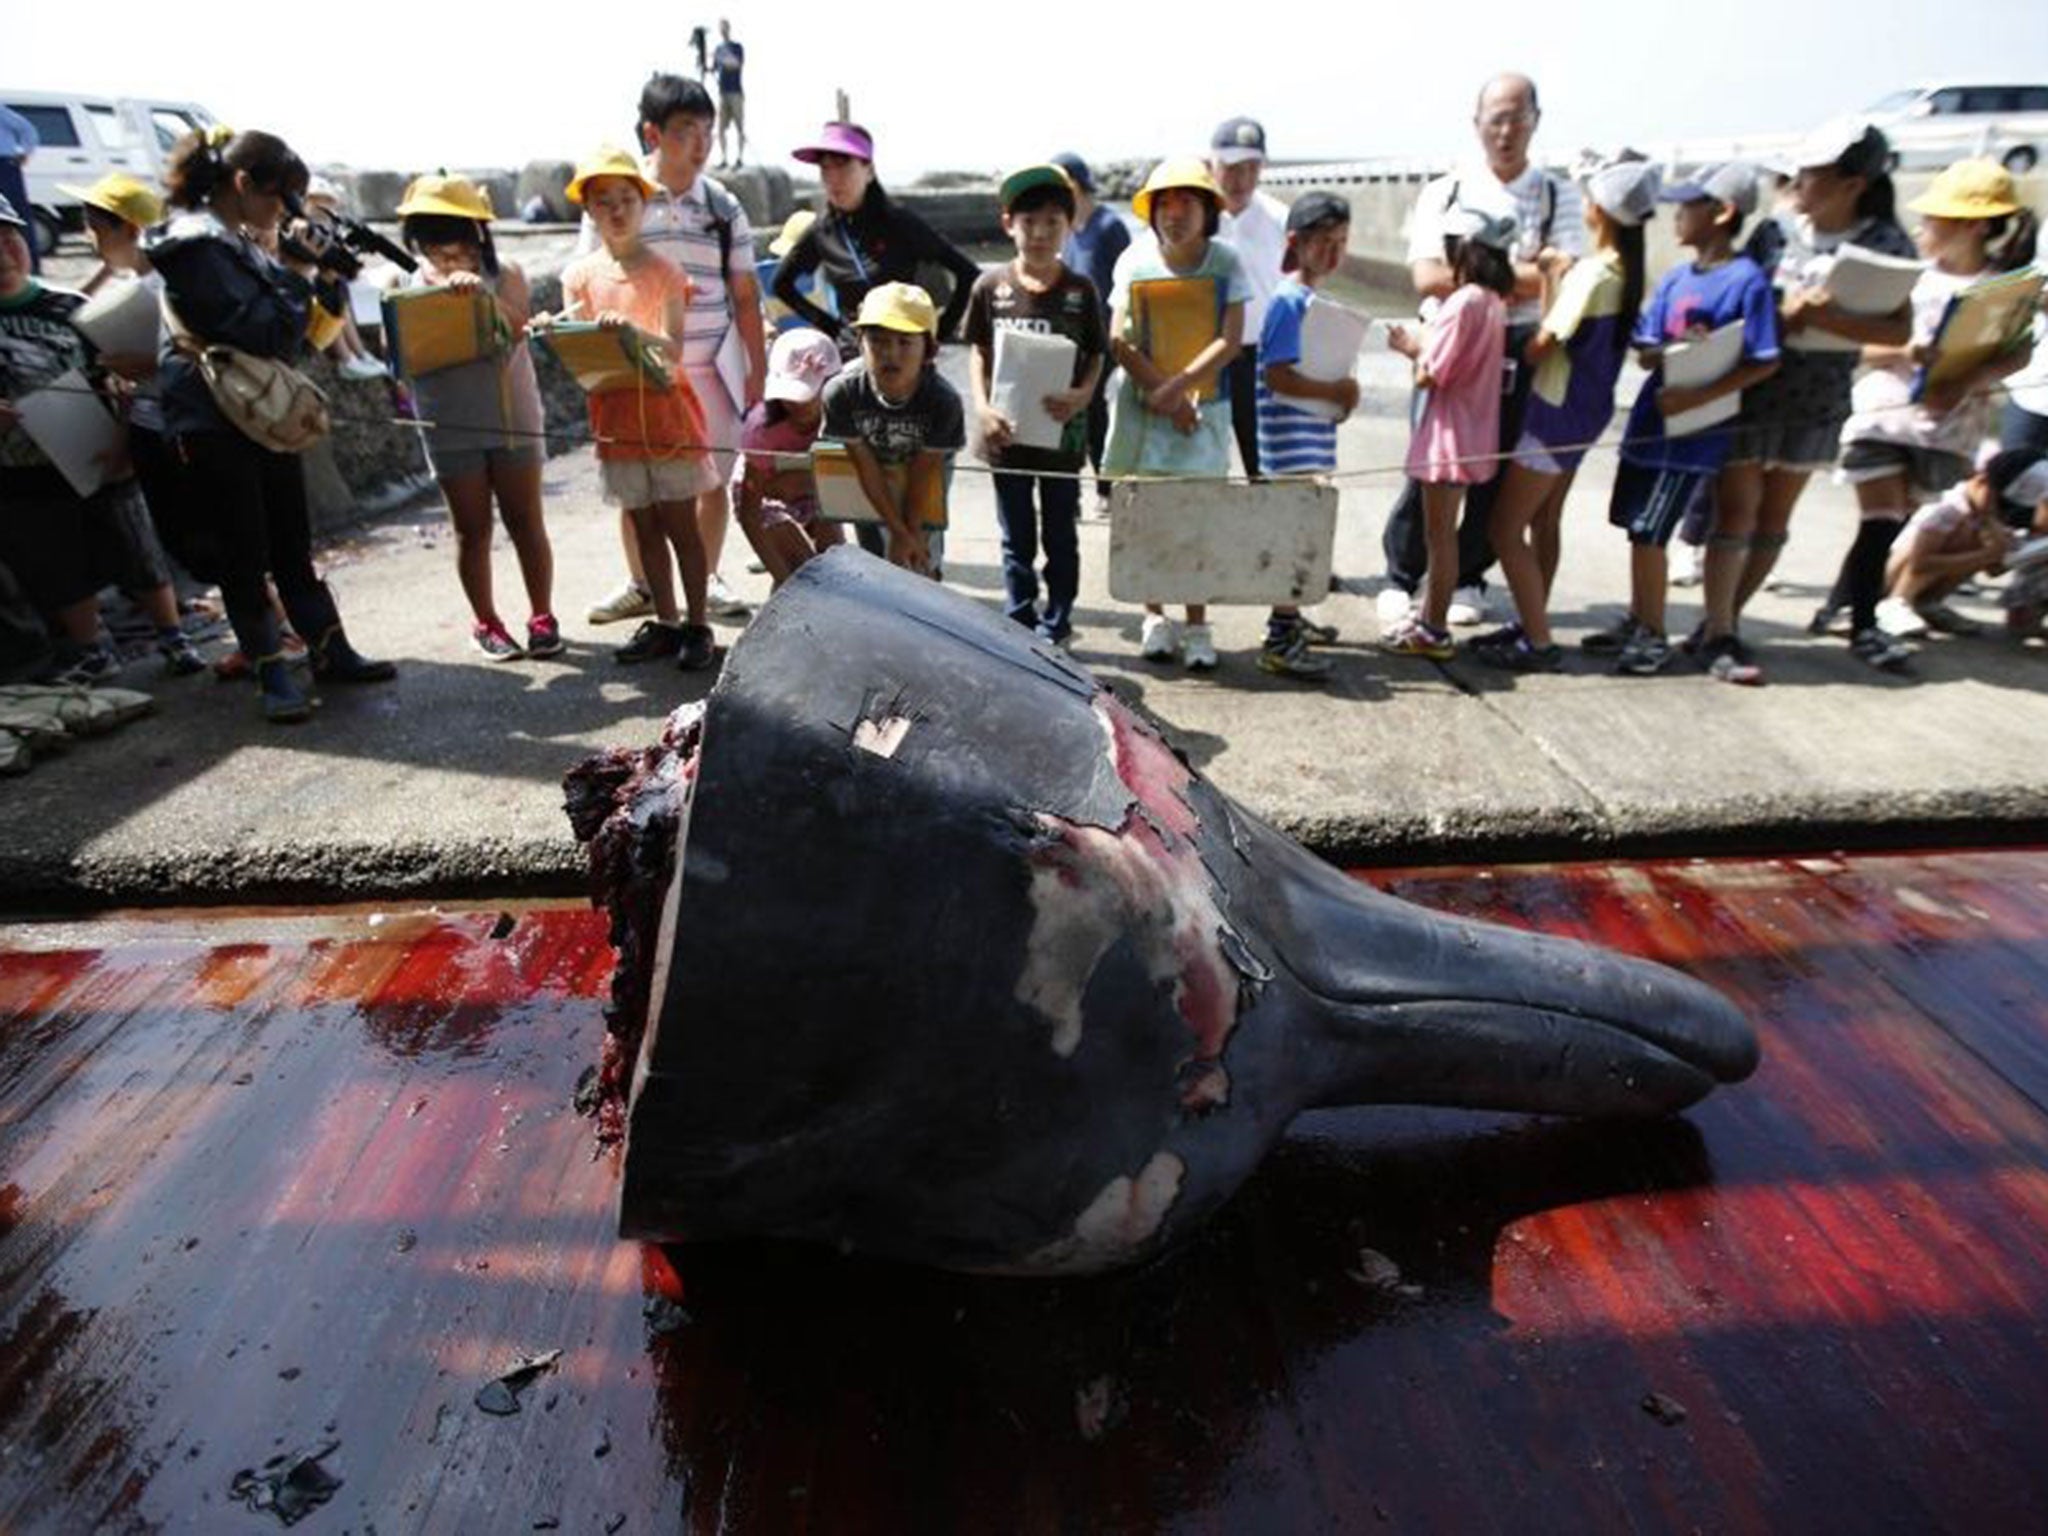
631,423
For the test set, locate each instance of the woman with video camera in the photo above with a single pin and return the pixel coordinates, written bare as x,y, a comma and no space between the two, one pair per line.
224,290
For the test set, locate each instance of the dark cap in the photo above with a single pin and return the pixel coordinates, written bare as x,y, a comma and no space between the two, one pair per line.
1312,210
1237,140
1076,169
2019,476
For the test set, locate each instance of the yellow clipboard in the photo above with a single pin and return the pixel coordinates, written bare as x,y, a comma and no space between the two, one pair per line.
605,358
842,498
1984,321
429,329
1174,318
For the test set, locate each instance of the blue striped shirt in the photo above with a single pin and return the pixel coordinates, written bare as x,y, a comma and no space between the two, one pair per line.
1292,441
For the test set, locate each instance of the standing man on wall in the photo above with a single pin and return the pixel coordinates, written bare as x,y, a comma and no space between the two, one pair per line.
1550,234
729,58
1255,225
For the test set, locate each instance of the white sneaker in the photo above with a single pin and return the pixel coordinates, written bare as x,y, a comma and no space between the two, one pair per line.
1895,616
629,602
1394,607
360,368
1159,640
1468,607
723,602
1198,650
1691,569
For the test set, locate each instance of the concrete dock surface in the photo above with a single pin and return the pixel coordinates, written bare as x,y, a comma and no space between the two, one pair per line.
448,781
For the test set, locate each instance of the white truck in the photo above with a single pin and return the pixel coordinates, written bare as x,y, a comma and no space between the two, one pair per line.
84,137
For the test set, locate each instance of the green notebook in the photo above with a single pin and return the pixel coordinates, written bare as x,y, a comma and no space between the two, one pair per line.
602,359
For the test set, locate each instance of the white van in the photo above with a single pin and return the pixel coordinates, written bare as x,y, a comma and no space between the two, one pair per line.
84,137
1932,124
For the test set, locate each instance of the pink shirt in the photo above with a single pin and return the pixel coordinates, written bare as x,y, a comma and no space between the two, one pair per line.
1463,350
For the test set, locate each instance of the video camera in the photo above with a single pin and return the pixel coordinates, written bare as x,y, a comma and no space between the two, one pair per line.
338,243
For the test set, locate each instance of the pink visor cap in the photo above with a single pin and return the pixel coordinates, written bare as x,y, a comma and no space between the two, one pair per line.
838,139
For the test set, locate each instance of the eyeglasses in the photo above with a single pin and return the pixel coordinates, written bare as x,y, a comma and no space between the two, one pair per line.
1523,118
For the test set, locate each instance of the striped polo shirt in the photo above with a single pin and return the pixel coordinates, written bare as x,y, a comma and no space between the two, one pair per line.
682,229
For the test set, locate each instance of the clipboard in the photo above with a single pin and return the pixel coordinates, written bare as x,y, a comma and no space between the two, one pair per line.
1690,364
1984,321
1332,336
123,317
1027,367
602,359
77,433
429,329
842,498
1864,283
1173,319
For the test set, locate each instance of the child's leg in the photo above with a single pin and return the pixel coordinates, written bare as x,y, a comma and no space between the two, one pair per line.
678,521
516,481
1737,494
1523,491
629,541
1885,505
1782,489
1017,514
1440,505
784,548
1649,574
1547,530
469,509
1059,503
650,534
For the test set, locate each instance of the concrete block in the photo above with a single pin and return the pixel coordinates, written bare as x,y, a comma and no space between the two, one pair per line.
1196,541
765,192
549,181
375,195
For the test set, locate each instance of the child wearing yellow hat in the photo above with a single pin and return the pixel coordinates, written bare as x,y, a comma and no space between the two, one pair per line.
1897,451
118,208
483,418
1170,415
891,408
651,446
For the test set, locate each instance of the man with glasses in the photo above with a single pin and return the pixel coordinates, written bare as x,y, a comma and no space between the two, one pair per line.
1550,234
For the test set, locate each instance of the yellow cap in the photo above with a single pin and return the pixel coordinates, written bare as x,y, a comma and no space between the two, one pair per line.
1186,172
121,195
899,307
610,161
454,197
794,228
1969,189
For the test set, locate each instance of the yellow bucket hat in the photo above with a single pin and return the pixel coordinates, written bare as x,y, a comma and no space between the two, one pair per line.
794,228
121,195
899,307
1969,189
1186,172
609,161
454,197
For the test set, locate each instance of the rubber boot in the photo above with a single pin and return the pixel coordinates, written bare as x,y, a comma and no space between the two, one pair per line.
336,661
283,701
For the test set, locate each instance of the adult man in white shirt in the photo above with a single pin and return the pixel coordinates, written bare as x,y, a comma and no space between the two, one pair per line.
1254,224
702,228
1550,225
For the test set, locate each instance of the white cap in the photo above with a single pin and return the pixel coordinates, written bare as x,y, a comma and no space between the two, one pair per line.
800,364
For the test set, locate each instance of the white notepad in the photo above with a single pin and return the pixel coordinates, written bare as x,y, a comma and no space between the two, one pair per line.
1690,364
1332,336
123,317
70,424
1027,367
1862,283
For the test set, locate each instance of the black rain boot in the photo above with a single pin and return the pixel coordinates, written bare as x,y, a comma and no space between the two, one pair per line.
336,661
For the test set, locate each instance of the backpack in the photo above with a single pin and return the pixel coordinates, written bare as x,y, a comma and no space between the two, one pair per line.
269,402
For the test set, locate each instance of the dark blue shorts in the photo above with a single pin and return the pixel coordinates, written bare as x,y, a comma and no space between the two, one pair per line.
1650,503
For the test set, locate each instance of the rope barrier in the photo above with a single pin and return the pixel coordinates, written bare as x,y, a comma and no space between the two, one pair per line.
584,436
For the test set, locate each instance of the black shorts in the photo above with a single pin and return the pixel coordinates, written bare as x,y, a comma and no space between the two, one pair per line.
1650,503
43,538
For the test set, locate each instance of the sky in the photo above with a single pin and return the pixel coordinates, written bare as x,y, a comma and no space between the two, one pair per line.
464,87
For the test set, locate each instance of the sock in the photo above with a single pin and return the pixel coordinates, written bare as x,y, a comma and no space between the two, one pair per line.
1865,569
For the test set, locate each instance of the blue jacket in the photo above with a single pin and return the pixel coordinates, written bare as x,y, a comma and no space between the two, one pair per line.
227,290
